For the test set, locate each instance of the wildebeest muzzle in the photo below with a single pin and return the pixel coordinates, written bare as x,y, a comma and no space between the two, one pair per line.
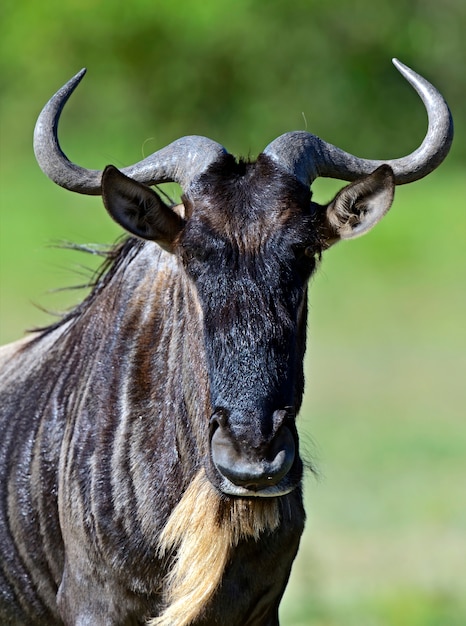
249,462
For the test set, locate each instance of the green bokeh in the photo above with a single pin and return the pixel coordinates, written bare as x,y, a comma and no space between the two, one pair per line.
384,414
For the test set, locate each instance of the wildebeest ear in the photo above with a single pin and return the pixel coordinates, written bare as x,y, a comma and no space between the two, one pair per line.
139,209
361,205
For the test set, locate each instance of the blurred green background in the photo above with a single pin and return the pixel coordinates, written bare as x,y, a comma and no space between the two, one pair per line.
384,416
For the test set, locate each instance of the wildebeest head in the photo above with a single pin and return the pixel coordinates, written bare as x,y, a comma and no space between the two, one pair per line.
247,237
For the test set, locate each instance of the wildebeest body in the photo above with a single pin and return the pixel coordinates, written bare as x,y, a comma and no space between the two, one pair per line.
150,469
108,441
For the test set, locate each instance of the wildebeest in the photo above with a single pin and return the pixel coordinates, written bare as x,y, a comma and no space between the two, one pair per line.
150,464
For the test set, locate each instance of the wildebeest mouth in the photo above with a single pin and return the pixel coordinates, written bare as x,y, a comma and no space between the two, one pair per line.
281,489
269,469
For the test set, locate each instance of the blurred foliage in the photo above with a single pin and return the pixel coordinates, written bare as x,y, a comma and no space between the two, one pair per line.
385,543
241,72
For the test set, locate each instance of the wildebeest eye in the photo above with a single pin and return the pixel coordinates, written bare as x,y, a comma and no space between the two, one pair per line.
302,251
194,253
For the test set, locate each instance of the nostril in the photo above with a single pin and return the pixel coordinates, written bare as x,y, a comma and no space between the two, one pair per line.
282,417
290,412
219,418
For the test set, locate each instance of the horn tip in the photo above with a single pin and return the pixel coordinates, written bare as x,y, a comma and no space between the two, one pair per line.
399,65
71,85
80,75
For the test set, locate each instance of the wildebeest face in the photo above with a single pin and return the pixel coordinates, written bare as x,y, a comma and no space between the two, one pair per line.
249,247
248,243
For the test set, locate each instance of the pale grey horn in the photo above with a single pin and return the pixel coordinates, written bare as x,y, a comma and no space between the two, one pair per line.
181,161
307,157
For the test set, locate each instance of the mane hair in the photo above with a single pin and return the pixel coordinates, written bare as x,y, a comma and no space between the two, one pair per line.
115,257
201,532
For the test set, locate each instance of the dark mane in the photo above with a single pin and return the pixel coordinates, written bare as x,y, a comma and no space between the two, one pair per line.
115,257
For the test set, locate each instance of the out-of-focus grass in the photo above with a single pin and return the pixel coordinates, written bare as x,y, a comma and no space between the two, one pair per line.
35,217
398,608
383,417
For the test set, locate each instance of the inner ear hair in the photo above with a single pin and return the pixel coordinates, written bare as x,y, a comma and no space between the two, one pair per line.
358,207
139,209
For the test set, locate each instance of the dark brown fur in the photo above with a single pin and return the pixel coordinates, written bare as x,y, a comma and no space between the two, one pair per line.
115,505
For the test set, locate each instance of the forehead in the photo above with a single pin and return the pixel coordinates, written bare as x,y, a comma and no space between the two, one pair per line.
247,203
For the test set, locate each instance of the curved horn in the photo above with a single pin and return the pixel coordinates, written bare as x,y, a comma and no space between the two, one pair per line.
307,157
181,161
